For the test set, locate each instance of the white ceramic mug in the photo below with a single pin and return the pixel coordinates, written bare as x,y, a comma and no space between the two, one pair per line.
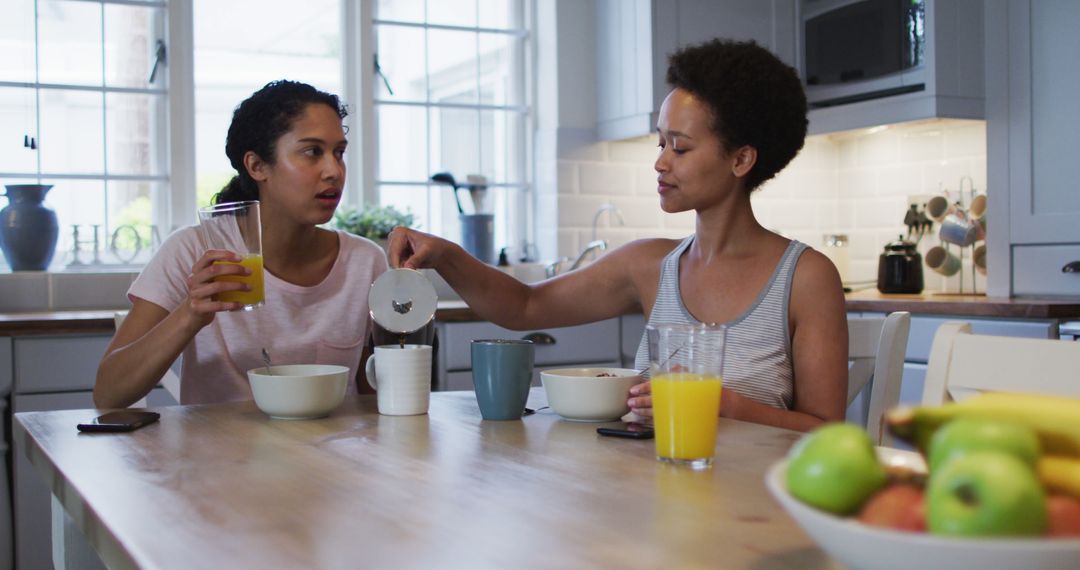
942,261
401,378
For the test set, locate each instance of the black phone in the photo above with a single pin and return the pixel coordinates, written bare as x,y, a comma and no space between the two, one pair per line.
632,430
124,420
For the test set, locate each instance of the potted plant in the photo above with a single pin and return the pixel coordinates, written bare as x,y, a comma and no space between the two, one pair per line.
372,222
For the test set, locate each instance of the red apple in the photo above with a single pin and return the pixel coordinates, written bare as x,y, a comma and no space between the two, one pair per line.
1063,516
898,506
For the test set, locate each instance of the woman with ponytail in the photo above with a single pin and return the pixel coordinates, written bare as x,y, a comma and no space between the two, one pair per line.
287,144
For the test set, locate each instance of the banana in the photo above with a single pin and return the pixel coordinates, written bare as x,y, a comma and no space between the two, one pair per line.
1060,474
1056,419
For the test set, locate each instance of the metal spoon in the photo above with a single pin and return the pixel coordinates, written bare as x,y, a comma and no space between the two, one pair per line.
266,361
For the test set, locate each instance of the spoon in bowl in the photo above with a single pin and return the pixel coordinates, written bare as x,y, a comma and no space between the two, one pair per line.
266,361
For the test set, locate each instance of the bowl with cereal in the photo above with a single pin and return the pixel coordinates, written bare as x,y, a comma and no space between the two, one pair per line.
589,394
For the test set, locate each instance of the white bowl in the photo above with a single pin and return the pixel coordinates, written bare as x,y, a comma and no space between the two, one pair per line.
299,391
580,394
861,546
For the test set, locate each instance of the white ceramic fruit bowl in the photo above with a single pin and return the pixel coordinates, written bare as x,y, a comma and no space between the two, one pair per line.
299,391
859,546
589,394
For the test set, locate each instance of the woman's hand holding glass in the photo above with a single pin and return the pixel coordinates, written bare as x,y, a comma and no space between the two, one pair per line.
203,287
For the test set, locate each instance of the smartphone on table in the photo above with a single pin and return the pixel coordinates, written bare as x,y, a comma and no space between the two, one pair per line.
631,430
122,420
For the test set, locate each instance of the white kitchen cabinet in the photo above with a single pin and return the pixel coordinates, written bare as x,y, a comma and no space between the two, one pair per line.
635,37
7,558
953,75
1032,81
593,344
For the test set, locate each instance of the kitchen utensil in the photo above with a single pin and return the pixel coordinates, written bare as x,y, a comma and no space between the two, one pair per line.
447,178
299,391
478,236
942,261
900,268
937,207
502,372
266,361
402,301
477,186
958,228
401,377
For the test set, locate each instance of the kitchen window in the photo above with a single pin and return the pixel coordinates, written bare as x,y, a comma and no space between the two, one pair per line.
123,106
83,107
450,95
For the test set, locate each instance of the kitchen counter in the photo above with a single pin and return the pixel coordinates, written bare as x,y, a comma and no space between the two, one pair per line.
67,322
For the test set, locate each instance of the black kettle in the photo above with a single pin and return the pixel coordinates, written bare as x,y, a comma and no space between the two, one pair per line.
900,268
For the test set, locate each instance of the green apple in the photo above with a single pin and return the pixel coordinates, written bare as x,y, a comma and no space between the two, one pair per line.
966,435
834,468
986,493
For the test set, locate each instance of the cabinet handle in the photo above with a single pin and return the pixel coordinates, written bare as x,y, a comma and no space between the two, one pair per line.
539,338
1072,267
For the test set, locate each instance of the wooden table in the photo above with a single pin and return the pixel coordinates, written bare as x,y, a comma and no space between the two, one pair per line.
223,486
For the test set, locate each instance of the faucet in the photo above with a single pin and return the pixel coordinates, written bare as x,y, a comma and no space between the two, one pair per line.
595,245
612,211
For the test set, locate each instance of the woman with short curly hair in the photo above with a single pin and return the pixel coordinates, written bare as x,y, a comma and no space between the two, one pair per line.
735,117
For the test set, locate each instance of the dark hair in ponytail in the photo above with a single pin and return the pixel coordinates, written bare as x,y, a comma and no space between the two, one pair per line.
257,124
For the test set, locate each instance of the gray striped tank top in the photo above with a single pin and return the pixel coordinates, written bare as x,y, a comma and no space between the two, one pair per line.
757,360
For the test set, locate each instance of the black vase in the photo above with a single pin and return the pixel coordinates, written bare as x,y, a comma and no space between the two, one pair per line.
28,230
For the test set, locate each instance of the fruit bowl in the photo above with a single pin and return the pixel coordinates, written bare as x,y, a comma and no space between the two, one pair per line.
860,546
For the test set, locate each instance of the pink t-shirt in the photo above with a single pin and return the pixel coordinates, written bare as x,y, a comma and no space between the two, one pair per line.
328,323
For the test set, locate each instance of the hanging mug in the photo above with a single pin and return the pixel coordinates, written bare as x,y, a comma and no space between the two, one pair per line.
959,229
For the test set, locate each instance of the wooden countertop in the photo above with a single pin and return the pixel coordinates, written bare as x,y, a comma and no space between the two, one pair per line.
91,322
223,486
965,305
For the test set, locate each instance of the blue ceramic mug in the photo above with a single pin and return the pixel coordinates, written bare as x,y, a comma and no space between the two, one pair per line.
502,373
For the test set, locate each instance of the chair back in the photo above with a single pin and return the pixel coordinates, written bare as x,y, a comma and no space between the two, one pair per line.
171,380
963,364
876,348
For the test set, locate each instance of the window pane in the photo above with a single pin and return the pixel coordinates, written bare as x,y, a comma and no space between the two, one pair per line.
81,203
400,10
499,83
135,125
411,199
452,12
17,118
17,41
70,40
401,58
452,66
454,141
499,13
131,35
502,146
72,137
131,236
402,153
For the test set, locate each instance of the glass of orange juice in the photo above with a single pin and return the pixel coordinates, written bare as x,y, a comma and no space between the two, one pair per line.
686,365
235,226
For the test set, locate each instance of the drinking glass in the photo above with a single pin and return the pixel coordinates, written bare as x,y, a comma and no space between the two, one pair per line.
235,226
686,367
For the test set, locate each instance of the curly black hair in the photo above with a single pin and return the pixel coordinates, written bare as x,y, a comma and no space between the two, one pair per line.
755,99
257,124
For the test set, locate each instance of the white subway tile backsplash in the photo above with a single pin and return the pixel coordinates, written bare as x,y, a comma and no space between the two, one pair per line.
855,183
609,179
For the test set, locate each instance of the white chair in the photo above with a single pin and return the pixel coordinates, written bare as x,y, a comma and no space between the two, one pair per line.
876,347
171,381
963,364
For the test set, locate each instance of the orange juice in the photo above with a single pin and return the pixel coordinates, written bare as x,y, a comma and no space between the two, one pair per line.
251,298
685,408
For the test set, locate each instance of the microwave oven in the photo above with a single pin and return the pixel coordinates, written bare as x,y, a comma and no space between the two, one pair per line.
857,50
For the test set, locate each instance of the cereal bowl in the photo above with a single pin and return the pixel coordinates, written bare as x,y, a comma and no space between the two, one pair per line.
299,391
589,394
857,545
